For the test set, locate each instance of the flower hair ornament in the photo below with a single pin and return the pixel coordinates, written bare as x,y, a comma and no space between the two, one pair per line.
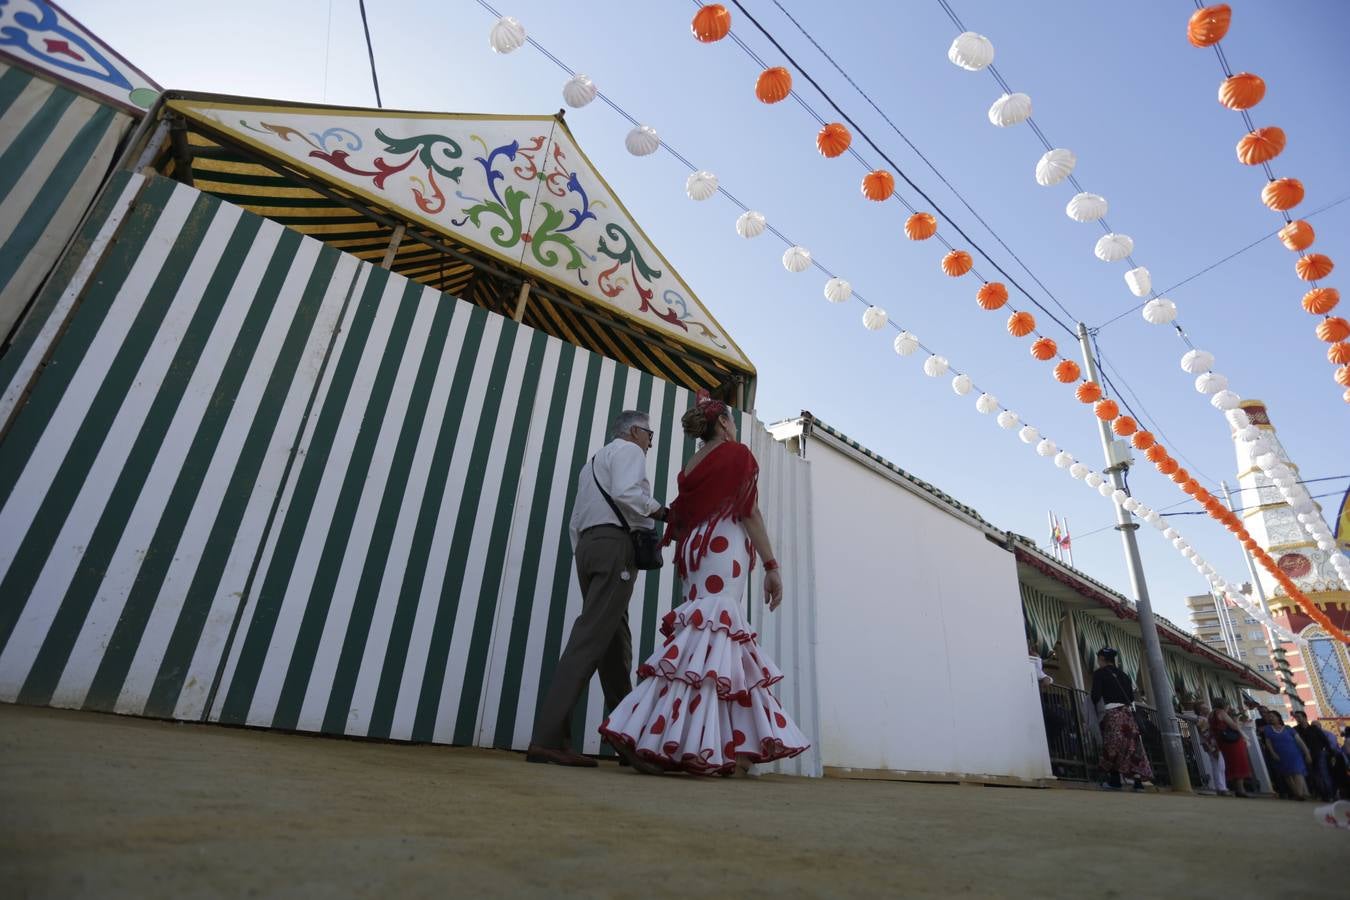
711,408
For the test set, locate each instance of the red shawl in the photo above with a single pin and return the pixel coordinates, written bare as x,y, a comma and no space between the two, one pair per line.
724,483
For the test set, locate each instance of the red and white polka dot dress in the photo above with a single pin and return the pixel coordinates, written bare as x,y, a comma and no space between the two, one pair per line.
704,698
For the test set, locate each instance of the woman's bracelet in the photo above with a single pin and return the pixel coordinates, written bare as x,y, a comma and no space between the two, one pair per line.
770,565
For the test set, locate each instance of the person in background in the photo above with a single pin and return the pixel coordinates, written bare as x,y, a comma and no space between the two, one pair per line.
1323,747
1210,743
1288,753
1232,748
1122,750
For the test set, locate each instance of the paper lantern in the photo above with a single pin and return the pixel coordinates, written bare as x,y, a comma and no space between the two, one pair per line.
1086,207
750,224
1043,348
1124,426
1322,300
797,259
1139,281
971,51
1260,146
1168,466
1142,439
1106,489
1130,504
961,385
701,185
906,343
1225,400
1021,323
991,295
1079,471
1063,459
837,290
1297,235
1197,361
1342,376
774,84
1242,91
1010,109
935,366
878,185
1008,420
579,91
1333,330
986,403
1114,247
957,263
1088,392
874,319
507,35
1093,479
1054,166
1029,434
1046,447
642,141
711,23
920,226
1282,194
1208,26
1180,476
1338,354
1106,409
1159,311
1314,266
833,140
1067,371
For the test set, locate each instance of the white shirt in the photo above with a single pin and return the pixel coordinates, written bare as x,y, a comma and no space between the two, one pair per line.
621,467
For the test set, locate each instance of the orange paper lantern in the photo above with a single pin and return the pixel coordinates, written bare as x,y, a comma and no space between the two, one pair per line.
1208,26
991,295
774,84
1314,266
1142,440
1243,91
1088,391
1338,354
1333,329
1297,235
1168,466
1043,348
1191,487
1156,453
1067,371
833,140
1260,146
920,226
1320,301
878,185
711,23
1106,409
1021,324
1181,476
1342,376
957,263
1124,426
1282,194
1346,396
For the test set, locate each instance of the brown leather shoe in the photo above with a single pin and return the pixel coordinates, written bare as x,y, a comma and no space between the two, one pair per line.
629,758
538,754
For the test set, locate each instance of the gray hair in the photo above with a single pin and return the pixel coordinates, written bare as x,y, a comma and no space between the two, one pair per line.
626,420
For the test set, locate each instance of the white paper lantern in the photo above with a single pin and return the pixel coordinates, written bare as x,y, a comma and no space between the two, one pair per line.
1225,400
1086,207
1237,418
1008,420
1118,496
962,384
507,35
986,403
579,91
1211,383
1170,534
1029,434
906,343
1179,542
796,259
874,319
750,224
1197,361
837,290
1079,471
1139,281
1261,446
1105,489
1130,504
1326,546
971,51
1064,459
1010,109
1055,166
1093,479
700,185
1114,247
1156,520
1159,311
1046,447
642,141
935,366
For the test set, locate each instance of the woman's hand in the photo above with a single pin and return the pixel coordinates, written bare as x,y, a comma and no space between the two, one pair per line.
773,589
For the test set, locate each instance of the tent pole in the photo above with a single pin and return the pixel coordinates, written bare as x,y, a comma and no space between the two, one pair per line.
522,300
394,240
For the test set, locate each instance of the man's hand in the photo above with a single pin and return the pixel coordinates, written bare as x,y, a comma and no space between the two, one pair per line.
773,589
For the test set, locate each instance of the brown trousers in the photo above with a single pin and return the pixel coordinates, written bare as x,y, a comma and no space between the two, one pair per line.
600,639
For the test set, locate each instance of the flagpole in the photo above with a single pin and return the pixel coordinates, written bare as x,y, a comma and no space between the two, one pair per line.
1068,541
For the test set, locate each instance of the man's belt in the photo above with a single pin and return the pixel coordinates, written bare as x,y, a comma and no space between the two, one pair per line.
619,528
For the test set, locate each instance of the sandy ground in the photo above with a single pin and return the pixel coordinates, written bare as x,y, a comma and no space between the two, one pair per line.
104,806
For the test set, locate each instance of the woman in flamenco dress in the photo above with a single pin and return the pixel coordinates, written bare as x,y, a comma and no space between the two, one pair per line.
703,703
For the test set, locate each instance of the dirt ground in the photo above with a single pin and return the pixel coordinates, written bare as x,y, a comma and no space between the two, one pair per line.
104,806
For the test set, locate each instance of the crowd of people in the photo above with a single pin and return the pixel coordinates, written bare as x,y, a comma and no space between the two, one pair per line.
1303,760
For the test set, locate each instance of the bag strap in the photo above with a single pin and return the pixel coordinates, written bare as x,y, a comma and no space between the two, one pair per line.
608,499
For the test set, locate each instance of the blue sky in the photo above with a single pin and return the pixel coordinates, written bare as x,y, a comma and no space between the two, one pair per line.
1116,83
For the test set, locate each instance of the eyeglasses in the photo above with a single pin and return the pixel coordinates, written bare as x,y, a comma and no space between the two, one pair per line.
650,434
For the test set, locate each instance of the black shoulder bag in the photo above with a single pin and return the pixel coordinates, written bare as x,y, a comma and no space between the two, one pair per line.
646,541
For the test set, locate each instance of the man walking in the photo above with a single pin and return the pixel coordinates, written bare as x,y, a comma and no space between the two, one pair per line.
600,639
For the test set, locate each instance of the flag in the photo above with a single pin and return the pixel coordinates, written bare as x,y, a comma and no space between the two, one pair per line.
1054,533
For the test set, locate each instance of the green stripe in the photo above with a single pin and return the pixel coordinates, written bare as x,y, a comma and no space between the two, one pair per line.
410,594
386,522
102,545
529,564
84,445
272,594
215,553
12,83
31,140
447,610
339,527
651,602
472,691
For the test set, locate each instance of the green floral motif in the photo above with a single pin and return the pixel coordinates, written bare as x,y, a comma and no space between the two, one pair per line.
426,146
509,232
546,233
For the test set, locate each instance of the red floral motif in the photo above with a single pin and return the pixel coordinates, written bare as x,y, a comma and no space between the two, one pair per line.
714,584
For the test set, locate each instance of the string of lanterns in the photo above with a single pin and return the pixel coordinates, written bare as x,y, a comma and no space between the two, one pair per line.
1241,92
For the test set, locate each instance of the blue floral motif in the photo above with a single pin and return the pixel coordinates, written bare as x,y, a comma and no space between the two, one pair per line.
49,22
